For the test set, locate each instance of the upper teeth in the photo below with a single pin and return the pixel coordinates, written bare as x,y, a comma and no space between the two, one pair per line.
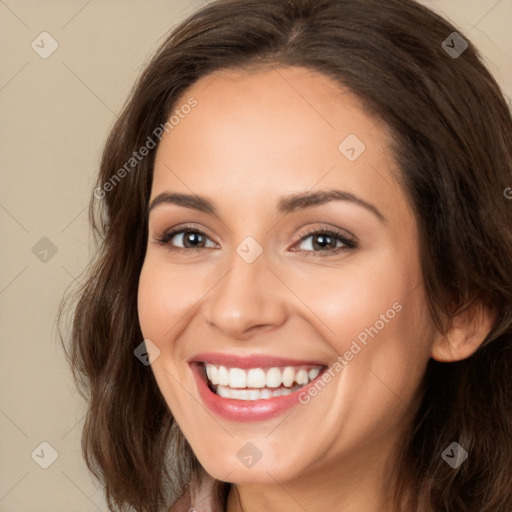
259,377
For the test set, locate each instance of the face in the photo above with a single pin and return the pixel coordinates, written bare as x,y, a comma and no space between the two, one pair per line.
287,304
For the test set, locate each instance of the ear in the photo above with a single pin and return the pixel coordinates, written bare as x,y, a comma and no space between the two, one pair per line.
465,335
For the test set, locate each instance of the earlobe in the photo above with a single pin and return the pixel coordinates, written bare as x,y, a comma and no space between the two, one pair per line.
466,334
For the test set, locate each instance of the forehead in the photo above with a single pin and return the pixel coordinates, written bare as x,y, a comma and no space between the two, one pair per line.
261,132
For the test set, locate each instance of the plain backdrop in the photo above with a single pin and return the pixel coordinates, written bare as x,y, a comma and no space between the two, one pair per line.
56,113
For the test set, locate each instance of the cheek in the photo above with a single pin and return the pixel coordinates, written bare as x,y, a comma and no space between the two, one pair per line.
165,297
163,300
375,316
151,302
385,345
354,301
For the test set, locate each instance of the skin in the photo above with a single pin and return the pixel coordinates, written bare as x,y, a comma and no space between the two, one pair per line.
257,135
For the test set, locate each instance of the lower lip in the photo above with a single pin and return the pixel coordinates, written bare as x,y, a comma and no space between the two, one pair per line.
245,410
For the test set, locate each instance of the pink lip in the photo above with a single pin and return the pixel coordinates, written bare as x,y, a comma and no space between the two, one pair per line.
247,411
256,361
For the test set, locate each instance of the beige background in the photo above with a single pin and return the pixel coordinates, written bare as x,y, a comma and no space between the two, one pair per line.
56,113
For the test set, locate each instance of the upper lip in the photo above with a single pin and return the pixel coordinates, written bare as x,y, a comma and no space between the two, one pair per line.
249,361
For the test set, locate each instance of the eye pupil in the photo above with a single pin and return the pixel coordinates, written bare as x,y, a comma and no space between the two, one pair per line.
324,241
192,237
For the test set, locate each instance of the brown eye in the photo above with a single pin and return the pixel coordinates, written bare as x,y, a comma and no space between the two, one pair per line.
187,239
326,242
192,239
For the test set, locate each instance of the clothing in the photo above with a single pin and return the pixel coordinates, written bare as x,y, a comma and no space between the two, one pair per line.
204,496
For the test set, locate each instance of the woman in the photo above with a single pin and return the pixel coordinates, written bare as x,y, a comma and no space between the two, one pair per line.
302,299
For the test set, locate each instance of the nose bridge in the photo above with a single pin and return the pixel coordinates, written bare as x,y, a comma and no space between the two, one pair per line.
248,295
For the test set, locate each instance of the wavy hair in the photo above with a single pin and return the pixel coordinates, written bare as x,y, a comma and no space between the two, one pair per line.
452,131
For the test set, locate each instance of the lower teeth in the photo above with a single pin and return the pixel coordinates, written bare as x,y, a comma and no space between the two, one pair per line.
253,393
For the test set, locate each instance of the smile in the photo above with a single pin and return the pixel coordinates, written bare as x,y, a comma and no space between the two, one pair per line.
258,383
252,388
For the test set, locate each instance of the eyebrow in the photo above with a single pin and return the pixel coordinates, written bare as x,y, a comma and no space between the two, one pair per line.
287,204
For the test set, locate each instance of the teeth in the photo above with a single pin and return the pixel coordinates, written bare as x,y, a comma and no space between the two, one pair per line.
222,376
266,393
274,379
313,374
212,372
256,383
302,377
253,394
237,378
288,376
256,378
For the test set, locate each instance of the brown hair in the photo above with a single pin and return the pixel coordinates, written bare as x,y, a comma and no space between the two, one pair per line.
452,133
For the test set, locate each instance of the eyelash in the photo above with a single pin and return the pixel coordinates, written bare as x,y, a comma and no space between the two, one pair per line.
348,242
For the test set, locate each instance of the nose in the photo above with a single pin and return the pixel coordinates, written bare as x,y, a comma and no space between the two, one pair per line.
248,298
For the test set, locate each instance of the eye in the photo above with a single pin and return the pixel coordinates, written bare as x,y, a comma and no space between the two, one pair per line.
325,242
191,239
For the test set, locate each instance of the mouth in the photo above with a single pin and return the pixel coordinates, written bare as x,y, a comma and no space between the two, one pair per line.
258,383
252,388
